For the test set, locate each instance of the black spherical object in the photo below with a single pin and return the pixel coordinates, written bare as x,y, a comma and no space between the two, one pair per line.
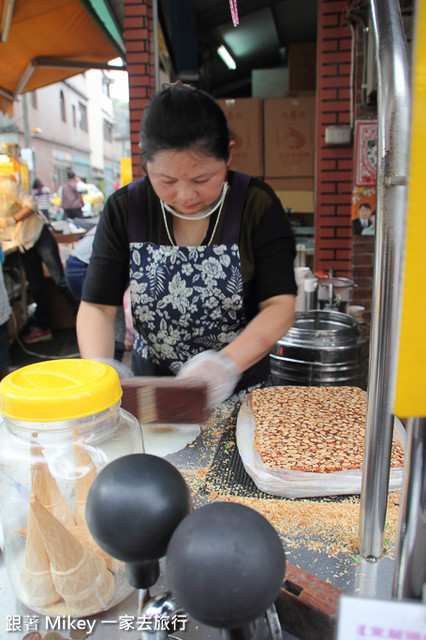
225,565
133,507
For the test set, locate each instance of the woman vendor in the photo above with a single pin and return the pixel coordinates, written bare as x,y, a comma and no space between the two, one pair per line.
208,253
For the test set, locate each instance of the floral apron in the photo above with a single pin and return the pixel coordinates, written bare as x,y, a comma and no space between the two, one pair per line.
186,299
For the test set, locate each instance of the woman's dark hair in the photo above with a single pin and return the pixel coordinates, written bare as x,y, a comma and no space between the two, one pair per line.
37,184
181,117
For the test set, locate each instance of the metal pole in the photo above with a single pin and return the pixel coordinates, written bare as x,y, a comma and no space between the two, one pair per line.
393,152
410,565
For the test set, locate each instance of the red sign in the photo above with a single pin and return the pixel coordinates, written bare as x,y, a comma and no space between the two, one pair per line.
365,153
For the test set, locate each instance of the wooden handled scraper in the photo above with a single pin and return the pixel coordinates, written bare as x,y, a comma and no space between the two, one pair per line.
165,400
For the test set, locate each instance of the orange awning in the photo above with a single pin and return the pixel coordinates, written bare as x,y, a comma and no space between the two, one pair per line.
44,41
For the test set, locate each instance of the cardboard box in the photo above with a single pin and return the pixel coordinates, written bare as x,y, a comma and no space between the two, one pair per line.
302,66
245,122
292,184
289,137
299,201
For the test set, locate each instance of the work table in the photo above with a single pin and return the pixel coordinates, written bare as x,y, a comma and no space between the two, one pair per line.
309,528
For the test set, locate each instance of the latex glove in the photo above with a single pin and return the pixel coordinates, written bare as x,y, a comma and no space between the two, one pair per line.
219,372
121,368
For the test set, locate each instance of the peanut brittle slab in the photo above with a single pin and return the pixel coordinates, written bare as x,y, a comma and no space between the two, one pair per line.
312,429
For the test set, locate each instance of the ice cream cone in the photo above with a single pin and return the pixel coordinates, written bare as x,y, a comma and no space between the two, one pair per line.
89,588
83,535
37,585
46,490
85,474
80,575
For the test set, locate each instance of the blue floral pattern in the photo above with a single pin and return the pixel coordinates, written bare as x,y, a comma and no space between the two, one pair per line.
184,300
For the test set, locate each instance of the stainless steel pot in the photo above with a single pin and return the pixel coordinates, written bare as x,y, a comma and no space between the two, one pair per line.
335,293
322,348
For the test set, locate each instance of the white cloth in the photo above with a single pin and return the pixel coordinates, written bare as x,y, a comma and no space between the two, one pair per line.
83,248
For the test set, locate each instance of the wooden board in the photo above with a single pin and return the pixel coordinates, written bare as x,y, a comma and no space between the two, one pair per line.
165,400
307,606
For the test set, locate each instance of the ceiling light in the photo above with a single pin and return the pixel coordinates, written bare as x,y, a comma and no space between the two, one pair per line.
6,19
226,57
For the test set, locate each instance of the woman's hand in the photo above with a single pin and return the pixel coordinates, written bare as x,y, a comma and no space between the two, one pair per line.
218,371
222,370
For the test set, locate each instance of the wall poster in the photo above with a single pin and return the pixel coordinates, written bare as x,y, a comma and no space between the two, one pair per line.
364,191
365,153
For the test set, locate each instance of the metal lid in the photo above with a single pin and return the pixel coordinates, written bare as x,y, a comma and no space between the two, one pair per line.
325,328
59,390
337,283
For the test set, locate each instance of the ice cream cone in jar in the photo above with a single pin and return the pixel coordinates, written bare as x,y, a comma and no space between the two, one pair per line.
85,471
62,423
83,535
36,580
79,574
46,490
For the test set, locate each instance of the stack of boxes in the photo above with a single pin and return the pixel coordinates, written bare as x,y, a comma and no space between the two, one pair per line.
245,122
289,146
275,137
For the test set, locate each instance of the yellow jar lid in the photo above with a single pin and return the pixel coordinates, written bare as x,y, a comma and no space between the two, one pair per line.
59,390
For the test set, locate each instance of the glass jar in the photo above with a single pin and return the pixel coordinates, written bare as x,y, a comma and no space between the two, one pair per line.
62,424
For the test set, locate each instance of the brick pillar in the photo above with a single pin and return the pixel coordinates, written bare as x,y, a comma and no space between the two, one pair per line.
138,34
334,164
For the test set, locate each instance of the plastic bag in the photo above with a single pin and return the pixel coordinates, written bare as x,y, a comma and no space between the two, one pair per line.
301,484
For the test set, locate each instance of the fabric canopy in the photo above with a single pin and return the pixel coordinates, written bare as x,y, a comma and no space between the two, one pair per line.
43,41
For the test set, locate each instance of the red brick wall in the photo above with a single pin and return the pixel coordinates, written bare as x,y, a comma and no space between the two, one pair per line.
334,164
138,33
